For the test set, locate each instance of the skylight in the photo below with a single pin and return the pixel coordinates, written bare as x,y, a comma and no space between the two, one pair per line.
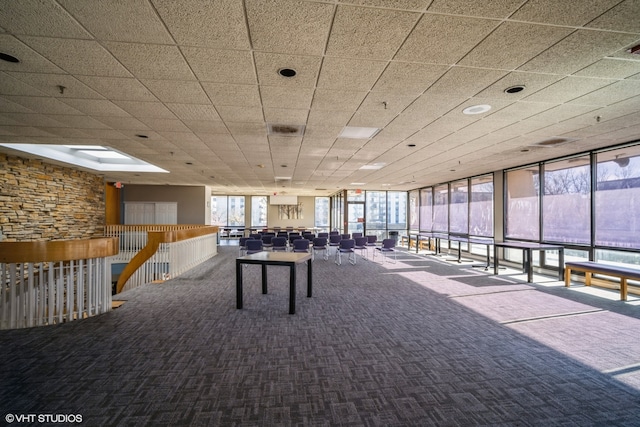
96,157
355,132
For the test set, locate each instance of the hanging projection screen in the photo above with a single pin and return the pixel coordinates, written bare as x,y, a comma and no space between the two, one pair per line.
283,200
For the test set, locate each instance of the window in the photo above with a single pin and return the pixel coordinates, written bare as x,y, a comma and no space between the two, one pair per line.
523,207
322,213
481,207
227,211
397,210
441,208
259,208
617,198
566,202
414,217
426,209
376,214
459,207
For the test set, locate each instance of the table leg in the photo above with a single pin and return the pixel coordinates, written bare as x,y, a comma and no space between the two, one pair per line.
238,285
264,278
459,252
561,264
529,264
292,290
309,278
495,260
488,259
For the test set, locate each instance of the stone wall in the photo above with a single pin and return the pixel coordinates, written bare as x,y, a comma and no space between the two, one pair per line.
40,201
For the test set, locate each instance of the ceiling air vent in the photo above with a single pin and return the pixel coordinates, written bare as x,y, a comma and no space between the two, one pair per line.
553,142
285,130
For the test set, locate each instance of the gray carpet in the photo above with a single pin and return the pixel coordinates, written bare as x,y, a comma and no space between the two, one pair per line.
409,344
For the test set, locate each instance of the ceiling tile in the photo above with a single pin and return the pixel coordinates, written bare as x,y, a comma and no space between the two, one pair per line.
288,116
146,109
281,97
611,94
287,26
96,107
512,44
115,88
341,100
147,61
126,22
360,32
216,65
184,92
230,113
578,50
43,105
49,84
393,4
484,8
219,24
574,13
84,57
232,94
164,124
194,111
444,39
568,89
611,68
623,17
29,59
532,82
41,18
352,74
121,123
409,78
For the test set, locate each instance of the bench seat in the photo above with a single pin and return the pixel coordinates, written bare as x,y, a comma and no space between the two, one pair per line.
591,267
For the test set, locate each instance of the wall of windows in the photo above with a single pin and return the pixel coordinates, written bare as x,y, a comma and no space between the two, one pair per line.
227,211
462,207
259,209
322,216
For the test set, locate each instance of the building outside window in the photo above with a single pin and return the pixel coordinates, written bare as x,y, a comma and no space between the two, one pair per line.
259,209
321,220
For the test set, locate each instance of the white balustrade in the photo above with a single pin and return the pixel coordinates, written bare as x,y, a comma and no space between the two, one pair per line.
47,293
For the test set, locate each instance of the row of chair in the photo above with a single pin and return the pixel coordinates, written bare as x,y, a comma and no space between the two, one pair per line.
321,245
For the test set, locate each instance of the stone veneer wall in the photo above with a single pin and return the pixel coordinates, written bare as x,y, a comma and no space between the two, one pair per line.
40,201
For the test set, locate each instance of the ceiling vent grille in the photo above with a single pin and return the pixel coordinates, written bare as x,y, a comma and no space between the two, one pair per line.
285,130
554,142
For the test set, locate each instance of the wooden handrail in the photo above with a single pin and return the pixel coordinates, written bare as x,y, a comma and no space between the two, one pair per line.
154,239
58,250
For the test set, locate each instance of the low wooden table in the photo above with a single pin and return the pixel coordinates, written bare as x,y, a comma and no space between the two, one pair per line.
289,259
527,255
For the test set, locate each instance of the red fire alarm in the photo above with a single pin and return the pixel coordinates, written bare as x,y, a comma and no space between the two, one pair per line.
118,184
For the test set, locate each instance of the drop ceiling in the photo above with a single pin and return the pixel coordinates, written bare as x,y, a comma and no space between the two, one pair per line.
193,86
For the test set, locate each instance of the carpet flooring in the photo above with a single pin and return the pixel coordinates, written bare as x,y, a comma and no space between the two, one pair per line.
422,342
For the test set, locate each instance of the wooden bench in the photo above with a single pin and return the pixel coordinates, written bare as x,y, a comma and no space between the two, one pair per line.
589,268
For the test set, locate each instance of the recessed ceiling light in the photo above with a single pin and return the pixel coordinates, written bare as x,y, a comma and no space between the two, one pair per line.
411,145
358,183
139,135
355,132
287,72
477,109
8,58
373,166
514,89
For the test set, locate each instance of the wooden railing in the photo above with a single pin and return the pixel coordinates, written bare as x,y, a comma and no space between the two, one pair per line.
49,282
167,253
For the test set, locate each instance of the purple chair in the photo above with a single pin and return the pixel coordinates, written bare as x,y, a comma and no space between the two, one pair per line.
253,246
279,244
334,241
266,241
320,245
300,246
387,248
361,245
346,247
